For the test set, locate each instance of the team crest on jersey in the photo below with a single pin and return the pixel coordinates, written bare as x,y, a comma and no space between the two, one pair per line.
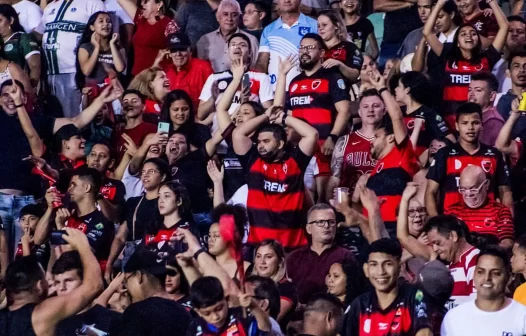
341,84
486,165
285,168
294,88
316,84
73,10
411,124
380,167
454,65
265,167
9,47
222,85
304,31
174,170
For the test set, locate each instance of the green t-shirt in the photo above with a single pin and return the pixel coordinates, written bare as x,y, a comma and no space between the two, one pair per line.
19,47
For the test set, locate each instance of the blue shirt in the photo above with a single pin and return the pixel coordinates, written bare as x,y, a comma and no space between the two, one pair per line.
282,40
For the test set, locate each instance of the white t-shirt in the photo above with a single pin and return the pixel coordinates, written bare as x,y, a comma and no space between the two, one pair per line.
62,25
118,16
29,14
132,184
468,319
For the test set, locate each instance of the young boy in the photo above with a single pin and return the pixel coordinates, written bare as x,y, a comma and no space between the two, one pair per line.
216,319
518,266
29,217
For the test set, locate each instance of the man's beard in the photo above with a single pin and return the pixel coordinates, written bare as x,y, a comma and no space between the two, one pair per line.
308,65
270,157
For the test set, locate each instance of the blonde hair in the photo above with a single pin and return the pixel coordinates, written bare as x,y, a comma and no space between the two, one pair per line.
280,253
337,20
142,81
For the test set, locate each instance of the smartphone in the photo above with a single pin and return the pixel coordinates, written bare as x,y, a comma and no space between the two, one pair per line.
246,81
163,127
56,237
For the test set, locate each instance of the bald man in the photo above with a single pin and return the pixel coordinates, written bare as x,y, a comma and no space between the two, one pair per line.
479,212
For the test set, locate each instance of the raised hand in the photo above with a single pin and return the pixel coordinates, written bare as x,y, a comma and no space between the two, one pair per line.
369,199
62,216
16,94
52,196
76,239
246,300
216,175
129,144
273,112
161,55
377,80
410,190
114,39
287,64
331,63
95,40
237,68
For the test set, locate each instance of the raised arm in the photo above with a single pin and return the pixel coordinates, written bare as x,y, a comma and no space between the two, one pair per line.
53,310
118,55
309,135
502,33
336,166
89,62
391,5
418,62
397,118
217,176
43,226
129,6
159,139
504,143
222,107
431,197
241,135
410,243
376,224
116,248
285,66
373,45
429,28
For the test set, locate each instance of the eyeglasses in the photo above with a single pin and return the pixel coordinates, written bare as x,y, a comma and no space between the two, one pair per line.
472,190
307,47
322,222
126,278
412,212
149,172
250,12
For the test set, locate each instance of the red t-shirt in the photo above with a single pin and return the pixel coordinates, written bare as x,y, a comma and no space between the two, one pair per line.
148,40
485,25
191,79
138,133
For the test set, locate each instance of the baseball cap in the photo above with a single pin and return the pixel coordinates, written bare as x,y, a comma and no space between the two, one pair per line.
178,41
32,209
67,131
433,277
143,259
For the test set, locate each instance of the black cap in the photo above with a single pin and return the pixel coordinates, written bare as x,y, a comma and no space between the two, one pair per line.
32,209
67,131
178,41
143,259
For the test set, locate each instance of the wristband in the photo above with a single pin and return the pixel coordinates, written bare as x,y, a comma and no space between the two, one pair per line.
382,90
19,106
201,250
333,137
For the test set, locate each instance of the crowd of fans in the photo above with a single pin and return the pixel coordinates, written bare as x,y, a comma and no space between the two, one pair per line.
250,168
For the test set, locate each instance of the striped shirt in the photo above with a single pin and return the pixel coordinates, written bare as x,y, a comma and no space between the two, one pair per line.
492,218
462,271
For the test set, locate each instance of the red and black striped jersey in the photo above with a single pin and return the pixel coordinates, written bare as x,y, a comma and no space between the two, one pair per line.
312,98
492,218
433,127
457,77
405,316
390,176
347,53
449,162
276,197
357,159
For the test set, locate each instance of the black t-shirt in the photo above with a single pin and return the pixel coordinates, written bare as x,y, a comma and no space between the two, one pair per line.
97,319
191,171
398,24
235,177
434,127
17,322
98,74
359,32
146,211
156,317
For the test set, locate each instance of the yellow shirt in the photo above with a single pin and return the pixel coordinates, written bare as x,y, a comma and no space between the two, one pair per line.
520,294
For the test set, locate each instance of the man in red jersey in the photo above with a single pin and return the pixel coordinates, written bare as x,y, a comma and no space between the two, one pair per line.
449,162
396,159
447,236
352,153
471,14
481,214
276,191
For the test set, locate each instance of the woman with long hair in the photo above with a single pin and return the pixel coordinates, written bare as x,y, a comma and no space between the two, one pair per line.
464,57
18,46
154,85
99,54
342,282
269,262
178,111
341,53
176,285
152,26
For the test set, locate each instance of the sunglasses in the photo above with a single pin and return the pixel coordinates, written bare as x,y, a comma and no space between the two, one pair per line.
171,272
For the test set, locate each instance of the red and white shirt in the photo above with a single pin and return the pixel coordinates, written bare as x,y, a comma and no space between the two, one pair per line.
462,271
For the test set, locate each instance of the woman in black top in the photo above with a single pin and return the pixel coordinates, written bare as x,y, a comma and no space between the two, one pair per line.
341,54
99,53
178,111
342,281
176,284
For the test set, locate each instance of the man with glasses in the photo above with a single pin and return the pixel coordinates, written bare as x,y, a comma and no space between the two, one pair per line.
186,72
214,47
255,17
308,266
450,161
481,214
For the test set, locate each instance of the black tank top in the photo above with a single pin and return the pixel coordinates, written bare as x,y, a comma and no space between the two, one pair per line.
17,322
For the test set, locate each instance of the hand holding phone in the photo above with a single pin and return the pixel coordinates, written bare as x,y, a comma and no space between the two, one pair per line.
163,127
56,237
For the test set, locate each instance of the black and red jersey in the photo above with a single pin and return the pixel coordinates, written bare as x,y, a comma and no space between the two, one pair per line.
312,98
457,77
158,239
98,229
357,159
236,325
449,162
407,314
434,127
485,25
390,176
113,191
41,252
346,52
276,197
